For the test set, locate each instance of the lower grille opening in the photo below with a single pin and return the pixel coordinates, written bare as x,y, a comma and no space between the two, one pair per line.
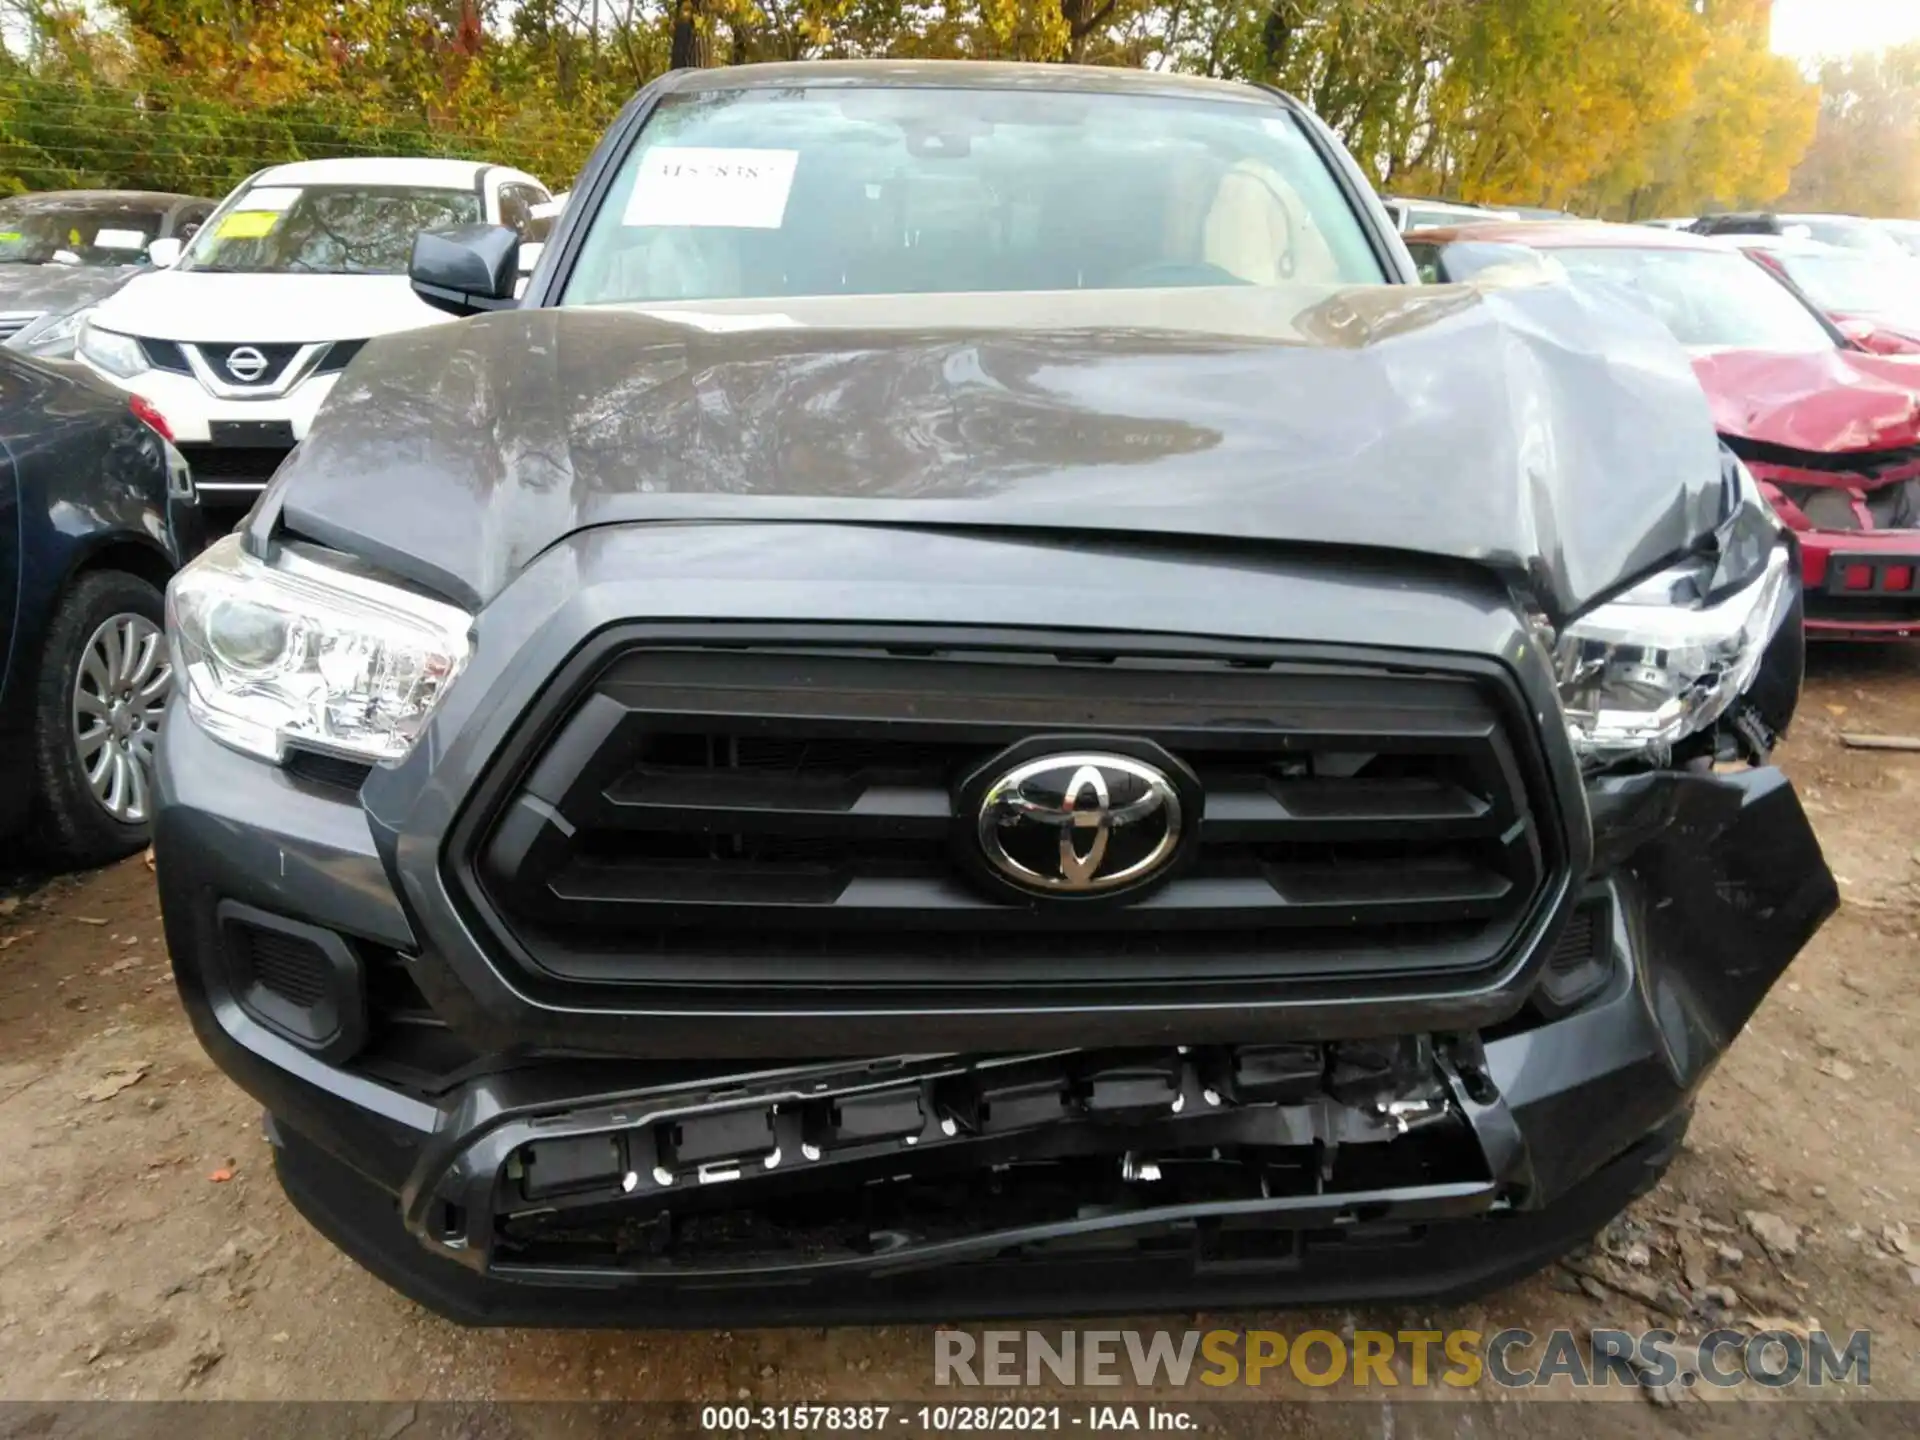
236,463
408,1045
330,772
295,970
302,982
712,1227
1054,1152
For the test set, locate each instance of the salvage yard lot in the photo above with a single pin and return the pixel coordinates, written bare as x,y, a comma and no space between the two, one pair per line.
145,1250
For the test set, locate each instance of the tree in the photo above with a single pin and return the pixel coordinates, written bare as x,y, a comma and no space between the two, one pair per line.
1735,145
692,34
1865,158
1620,106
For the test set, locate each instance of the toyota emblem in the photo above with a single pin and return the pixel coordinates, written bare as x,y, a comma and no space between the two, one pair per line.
1080,823
246,364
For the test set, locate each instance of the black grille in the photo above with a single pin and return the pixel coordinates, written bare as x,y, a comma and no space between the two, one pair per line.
166,355
335,772
293,969
783,820
338,355
1575,948
303,982
277,358
1581,961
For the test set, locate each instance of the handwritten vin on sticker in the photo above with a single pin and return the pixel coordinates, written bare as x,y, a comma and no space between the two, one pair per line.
694,185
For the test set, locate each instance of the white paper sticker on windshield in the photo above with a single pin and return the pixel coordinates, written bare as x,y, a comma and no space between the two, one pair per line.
270,197
694,185
119,240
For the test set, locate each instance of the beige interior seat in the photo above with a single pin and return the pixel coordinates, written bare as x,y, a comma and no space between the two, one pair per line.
1257,229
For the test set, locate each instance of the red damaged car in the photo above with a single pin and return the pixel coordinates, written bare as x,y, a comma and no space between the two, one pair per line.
1831,432
1874,300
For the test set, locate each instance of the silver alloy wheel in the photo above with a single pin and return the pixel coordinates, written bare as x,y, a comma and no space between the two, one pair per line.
118,697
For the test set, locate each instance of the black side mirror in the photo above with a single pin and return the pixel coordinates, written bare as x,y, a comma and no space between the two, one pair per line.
466,269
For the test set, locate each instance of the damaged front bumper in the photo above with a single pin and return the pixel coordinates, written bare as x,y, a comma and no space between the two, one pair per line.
550,1189
1859,536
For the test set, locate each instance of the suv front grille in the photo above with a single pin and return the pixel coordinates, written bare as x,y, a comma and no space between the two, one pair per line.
780,820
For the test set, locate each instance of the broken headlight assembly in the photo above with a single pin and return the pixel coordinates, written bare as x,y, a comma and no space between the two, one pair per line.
1670,657
309,652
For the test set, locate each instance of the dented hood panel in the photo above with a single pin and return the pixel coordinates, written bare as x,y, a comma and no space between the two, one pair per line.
1826,401
1529,429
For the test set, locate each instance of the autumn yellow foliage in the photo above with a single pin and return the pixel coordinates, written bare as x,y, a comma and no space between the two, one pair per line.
1622,107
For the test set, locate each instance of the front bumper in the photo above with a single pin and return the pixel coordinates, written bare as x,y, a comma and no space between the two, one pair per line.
1712,884
1861,583
740,1156
233,446
192,412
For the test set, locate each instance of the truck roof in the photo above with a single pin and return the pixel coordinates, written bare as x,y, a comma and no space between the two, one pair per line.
966,75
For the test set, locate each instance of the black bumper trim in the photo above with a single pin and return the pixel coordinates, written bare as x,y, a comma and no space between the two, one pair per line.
1445,1261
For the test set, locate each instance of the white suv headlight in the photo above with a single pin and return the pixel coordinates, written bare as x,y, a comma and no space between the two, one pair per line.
309,653
113,352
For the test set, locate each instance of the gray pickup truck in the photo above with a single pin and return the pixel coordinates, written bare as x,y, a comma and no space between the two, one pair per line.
976,704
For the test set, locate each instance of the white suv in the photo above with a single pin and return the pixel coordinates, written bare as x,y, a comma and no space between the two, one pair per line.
240,338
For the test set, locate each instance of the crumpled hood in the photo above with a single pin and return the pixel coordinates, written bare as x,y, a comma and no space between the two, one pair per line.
1899,325
1825,401
207,306
57,289
1528,429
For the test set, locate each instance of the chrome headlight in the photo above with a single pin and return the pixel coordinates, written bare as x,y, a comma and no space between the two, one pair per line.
113,352
308,652
1657,664
1670,656
51,336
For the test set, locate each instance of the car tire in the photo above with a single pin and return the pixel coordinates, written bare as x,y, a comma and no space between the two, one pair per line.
104,679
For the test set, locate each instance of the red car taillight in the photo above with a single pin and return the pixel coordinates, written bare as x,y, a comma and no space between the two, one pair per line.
147,412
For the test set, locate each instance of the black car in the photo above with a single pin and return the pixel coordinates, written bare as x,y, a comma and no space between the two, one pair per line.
64,251
96,513
980,705
1849,232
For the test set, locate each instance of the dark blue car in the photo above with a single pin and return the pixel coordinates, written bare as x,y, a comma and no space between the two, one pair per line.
96,511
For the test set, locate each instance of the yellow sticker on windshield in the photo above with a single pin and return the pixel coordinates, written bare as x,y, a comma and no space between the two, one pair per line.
247,224
6,235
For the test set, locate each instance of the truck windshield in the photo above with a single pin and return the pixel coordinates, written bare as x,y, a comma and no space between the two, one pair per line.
325,229
900,190
1709,300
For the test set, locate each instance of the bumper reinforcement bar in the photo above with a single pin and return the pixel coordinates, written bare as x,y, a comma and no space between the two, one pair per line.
501,1174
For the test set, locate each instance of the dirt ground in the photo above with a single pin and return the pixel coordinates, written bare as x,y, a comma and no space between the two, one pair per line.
146,1252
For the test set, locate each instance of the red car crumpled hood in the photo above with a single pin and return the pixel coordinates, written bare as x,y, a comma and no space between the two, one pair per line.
1826,401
